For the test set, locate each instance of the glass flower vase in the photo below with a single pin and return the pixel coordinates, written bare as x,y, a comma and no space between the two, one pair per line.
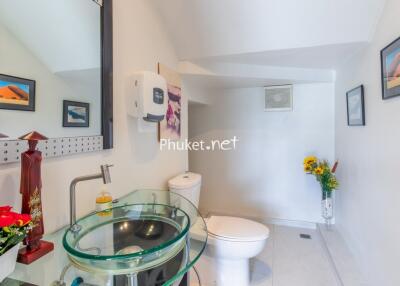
327,206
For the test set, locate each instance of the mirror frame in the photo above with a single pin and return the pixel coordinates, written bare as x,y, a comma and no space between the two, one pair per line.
107,74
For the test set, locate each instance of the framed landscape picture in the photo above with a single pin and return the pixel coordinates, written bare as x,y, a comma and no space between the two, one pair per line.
390,62
17,93
75,114
355,107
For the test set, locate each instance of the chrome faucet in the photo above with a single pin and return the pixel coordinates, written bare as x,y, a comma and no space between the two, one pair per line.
105,175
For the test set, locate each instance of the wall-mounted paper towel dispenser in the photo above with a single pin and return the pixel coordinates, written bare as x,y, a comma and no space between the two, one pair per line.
149,97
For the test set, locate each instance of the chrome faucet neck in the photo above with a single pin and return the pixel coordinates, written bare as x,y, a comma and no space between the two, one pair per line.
105,172
105,175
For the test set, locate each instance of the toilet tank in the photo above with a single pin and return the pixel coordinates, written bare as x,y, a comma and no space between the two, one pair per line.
187,185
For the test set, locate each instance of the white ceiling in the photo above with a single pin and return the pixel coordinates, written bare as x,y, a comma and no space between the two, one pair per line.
232,75
312,35
321,57
63,34
226,82
309,34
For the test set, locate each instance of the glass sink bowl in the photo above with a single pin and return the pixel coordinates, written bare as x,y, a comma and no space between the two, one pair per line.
128,239
144,230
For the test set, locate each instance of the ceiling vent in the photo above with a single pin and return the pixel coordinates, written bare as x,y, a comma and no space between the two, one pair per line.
279,98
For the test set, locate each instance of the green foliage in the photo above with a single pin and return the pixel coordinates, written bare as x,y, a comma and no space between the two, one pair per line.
11,236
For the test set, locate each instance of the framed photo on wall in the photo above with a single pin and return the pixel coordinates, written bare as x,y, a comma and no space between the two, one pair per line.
170,127
75,114
17,93
390,62
355,107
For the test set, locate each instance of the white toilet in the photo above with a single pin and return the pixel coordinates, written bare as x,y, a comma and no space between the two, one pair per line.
232,241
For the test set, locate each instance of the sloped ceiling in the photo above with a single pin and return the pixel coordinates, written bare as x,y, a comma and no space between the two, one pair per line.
312,35
62,34
210,28
319,57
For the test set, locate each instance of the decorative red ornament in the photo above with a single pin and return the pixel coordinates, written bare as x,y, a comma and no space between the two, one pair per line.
31,187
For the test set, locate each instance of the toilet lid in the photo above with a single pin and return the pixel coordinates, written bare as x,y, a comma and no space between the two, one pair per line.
185,181
238,229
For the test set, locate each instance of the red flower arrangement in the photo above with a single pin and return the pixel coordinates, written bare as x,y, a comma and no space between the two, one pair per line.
13,228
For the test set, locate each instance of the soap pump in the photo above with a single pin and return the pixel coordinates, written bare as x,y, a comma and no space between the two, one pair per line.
103,202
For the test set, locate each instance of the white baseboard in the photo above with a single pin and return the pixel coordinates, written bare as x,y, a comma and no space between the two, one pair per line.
269,220
290,223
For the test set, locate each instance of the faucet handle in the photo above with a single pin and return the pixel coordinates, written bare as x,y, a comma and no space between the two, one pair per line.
105,172
106,166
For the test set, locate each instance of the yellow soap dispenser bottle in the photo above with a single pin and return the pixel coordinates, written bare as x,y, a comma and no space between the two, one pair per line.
104,203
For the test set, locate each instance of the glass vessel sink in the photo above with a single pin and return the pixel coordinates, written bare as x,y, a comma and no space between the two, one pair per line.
143,231
128,239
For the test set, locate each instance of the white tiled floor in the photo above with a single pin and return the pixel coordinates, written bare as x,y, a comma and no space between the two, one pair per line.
289,260
345,263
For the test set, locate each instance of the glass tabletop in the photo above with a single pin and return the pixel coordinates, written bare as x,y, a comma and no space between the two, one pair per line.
48,269
12,282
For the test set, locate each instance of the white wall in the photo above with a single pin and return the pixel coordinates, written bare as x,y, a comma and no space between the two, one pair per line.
138,161
368,204
264,176
51,90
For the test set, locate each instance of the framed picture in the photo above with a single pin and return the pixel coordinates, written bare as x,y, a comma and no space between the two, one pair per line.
390,62
355,106
278,98
170,127
75,114
17,93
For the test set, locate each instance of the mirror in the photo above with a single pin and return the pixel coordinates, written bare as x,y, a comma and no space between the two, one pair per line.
55,68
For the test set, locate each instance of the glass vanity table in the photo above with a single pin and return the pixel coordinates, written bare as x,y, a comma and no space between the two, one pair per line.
148,233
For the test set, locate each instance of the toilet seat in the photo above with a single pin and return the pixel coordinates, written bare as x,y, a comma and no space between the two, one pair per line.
236,229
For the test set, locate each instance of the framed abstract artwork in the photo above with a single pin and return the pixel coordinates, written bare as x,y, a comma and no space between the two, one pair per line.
355,107
75,114
170,127
17,93
390,62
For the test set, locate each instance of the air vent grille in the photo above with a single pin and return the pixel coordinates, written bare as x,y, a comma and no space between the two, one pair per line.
279,98
305,236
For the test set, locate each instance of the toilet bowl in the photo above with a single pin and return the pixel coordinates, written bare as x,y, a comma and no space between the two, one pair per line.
232,241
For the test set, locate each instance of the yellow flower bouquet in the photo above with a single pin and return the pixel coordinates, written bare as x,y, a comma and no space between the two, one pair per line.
324,174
